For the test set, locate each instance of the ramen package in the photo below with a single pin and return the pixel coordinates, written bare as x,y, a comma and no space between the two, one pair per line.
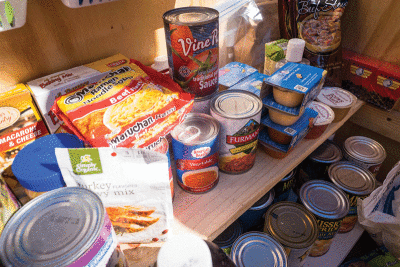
133,185
8,203
133,106
318,23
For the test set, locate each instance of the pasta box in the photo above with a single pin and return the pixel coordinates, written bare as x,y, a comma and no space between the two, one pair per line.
232,73
46,89
254,84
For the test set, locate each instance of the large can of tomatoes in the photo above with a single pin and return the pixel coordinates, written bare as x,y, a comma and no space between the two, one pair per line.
191,35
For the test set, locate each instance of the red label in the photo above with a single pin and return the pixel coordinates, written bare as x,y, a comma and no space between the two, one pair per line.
117,63
197,164
236,140
22,136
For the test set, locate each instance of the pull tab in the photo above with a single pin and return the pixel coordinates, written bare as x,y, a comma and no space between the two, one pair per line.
189,134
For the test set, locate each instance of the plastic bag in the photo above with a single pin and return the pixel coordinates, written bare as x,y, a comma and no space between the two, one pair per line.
379,213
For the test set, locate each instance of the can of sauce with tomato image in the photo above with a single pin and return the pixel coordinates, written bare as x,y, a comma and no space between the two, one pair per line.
239,113
195,145
192,35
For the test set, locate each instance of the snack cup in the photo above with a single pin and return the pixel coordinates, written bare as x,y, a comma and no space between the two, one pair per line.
278,137
325,117
286,97
283,118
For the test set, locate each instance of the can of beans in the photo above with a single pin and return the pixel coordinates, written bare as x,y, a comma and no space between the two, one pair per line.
239,113
227,237
330,205
295,227
356,182
191,35
282,188
195,144
365,152
63,227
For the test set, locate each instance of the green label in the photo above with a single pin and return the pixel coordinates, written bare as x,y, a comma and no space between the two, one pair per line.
85,161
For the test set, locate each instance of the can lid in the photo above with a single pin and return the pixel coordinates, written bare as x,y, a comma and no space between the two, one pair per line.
196,129
291,224
324,199
255,249
236,104
364,149
54,229
264,201
327,152
336,97
190,16
289,176
227,237
36,166
325,114
352,178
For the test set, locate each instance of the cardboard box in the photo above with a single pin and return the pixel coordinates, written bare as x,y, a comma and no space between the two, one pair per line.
274,52
254,83
232,73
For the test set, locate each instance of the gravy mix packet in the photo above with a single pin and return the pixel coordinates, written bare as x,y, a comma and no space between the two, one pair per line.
133,106
133,185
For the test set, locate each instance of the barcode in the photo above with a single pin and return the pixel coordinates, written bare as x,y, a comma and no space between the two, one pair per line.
289,131
300,88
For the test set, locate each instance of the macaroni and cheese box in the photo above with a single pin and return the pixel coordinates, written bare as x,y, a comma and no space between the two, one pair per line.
233,73
46,89
254,84
20,123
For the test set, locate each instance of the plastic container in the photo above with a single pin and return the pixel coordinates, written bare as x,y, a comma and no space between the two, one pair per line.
286,97
278,137
272,152
283,118
325,117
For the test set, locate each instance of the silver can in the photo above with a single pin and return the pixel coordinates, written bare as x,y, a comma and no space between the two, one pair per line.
202,104
239,113
365,152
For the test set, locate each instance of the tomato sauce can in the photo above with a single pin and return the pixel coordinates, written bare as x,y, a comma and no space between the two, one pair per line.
239,113
192,35
195,145
356,182
64,227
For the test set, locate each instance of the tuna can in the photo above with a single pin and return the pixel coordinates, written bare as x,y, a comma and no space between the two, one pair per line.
239,113
64,227
254,216
356,182
228,237
330,205
255,249
195,144
191,35
365,152
293,226
282,188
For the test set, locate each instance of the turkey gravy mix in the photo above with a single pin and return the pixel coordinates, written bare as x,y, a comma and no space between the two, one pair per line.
239,113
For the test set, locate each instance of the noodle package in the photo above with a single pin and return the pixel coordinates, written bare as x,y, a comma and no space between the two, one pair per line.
133,106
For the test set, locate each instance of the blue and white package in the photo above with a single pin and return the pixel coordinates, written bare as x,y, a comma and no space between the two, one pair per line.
232,73
254,84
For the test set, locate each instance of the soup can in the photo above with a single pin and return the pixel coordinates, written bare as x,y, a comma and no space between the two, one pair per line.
365,152
239,113
254,216
195,144
255,249
282,188
192,35
330,205
294,227
226,239
356,182
63,227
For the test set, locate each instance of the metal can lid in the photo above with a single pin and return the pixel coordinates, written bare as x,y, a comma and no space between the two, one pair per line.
190,15
227,237
291,224
236,104
327,152
196,129
324,199
255,249
352,178
54,229
289,176
364,149
264,201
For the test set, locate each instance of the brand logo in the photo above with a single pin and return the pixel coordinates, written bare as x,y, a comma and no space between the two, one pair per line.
117,63
316,6
194,45
8,116
85,161
85,158
201,152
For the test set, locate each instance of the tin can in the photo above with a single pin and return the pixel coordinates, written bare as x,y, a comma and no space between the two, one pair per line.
254,216
295,227
239,113
226,239
330,205
255,249
195,144
356,182
202,104
365,152
191,35
64,227
282,188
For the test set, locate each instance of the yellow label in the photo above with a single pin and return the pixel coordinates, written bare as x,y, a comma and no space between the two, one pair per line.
388,83
360,71
243,148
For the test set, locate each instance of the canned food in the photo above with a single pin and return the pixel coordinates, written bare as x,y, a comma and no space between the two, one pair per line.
254,216
356,182
192,36
330,205
228,237
282,188
195,144
255,249
293,226
202,105
365,152
239,113
64,227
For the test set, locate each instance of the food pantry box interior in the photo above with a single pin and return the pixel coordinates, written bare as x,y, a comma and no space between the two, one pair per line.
56,38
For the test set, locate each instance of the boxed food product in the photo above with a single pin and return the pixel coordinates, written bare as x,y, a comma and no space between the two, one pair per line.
45,90
20,123
274,52
232,73
254,84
